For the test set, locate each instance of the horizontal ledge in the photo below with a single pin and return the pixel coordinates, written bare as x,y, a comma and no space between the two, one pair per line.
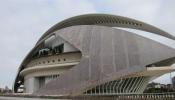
46,67
154,71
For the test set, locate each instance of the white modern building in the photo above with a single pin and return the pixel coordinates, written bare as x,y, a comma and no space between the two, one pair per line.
88,54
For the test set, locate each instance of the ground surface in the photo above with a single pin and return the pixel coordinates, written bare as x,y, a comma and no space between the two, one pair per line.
17,98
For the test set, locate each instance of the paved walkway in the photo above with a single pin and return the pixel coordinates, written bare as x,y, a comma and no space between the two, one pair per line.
145,96
20,98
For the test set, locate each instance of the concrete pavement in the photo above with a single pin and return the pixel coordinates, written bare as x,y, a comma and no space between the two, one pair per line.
21,98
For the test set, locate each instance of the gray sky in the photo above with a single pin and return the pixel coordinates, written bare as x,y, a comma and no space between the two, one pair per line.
22,22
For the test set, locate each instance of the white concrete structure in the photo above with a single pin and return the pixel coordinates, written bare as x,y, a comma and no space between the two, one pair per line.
86,55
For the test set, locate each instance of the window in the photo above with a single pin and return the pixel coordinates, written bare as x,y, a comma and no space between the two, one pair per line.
41,81
59,49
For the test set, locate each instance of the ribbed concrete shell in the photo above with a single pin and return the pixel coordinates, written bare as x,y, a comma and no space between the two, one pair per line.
108,54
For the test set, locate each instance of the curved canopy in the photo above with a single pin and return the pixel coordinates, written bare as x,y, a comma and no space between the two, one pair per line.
107,20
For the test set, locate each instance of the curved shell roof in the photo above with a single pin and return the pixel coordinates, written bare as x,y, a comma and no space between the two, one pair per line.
107,54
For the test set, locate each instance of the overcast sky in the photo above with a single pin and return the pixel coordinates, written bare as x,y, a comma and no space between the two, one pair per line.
22,22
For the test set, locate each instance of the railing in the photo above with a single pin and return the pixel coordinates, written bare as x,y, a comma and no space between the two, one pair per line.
144,96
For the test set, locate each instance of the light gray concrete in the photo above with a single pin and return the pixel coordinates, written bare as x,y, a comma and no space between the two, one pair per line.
107,54
21,98
34,71
31,85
